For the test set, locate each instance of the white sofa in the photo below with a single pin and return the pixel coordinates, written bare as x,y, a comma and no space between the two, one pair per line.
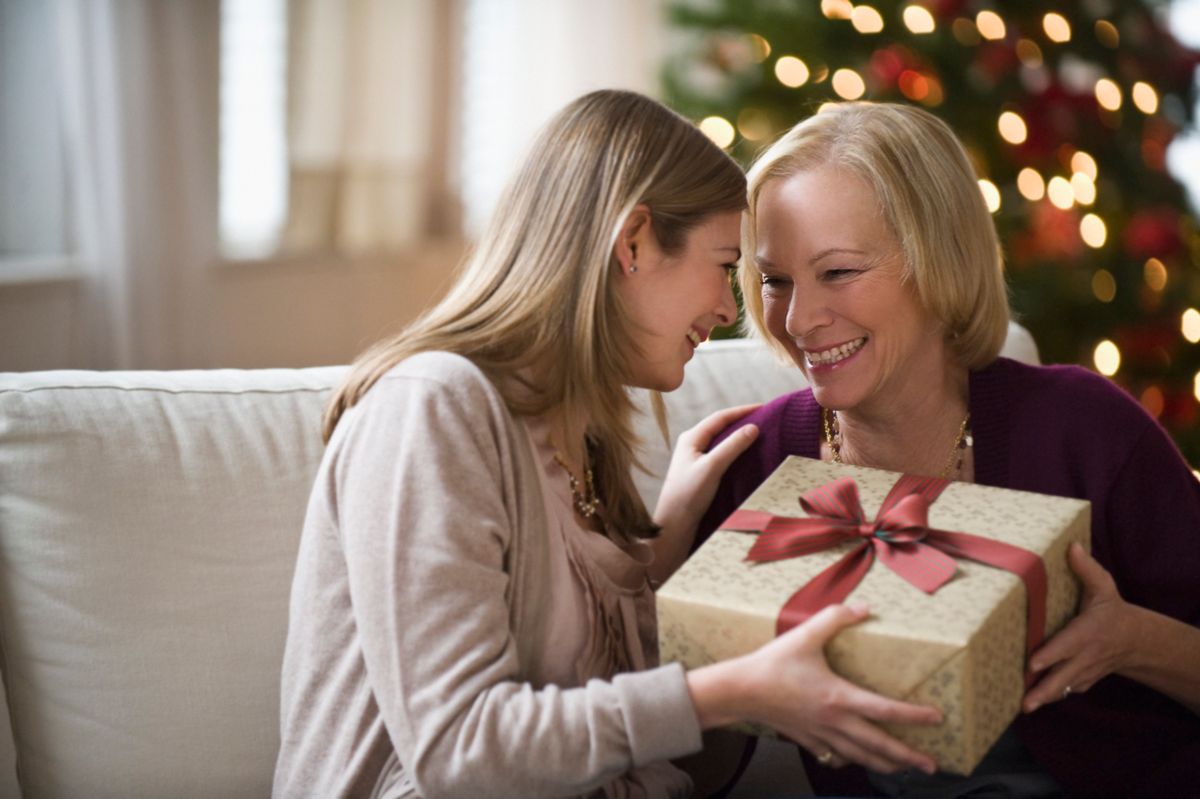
148,525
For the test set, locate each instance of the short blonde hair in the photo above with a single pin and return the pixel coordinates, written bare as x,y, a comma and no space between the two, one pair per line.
927,192
539,290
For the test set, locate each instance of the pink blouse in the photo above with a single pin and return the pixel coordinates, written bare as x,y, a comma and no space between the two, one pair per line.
602,621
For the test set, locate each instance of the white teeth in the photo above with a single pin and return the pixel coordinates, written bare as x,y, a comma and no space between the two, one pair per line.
694,337
834,354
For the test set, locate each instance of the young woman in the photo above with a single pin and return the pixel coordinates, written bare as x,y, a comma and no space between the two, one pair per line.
471,613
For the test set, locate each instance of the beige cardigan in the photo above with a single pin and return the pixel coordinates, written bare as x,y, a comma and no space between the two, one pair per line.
412,660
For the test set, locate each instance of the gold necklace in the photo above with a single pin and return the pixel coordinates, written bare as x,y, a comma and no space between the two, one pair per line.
587,503
964,440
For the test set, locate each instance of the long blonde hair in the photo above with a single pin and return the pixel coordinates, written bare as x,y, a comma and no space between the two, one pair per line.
538,289
927,192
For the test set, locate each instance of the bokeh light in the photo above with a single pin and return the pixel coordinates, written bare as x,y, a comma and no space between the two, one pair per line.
837,9
1107,358
1082,162
848,84
1108,94
718,129
1107,34
866,19
1092,231
1154,272
1144,97
1104,285
1060,192
990,25
1153,401
1189,325
1012,127
1029,53
1030,184
760,46
755,124
918,19
791,71
1056,27
1083,188
991,195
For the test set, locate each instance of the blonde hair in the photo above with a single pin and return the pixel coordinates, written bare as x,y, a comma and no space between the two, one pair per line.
927,192
538,294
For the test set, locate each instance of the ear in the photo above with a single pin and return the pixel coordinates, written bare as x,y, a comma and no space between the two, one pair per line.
633,238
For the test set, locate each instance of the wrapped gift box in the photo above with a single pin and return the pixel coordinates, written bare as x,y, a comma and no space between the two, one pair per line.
961,648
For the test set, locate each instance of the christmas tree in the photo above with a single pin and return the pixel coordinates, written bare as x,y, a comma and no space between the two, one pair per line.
1066,110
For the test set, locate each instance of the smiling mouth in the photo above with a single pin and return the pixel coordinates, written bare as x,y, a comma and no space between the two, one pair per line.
695,338
834,354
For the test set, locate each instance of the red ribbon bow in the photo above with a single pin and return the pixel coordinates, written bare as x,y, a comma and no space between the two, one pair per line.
900,536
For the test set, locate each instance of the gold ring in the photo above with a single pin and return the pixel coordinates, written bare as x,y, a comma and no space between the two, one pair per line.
825,758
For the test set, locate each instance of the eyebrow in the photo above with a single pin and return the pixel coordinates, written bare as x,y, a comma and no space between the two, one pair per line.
835,251
764,263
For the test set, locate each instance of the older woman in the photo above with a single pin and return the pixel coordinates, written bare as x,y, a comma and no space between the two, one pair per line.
874,266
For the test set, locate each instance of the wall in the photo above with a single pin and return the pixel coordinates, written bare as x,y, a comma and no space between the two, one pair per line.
255,314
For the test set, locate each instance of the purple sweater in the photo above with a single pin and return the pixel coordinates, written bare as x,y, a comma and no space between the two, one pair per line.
1064,431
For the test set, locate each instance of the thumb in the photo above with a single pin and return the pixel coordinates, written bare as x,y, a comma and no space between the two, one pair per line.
1089,571
728,450
832,619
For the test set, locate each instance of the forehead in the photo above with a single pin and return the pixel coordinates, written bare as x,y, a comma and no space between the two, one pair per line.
718,230
827,204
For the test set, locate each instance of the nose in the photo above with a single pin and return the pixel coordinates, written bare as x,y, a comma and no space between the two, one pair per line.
806,312
727,309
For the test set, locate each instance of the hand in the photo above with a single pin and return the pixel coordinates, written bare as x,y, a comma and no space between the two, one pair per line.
1096,643
691,483
825,713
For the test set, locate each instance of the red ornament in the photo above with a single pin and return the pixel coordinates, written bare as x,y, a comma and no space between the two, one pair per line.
886,65
1053,234
1153,233
945,9
996,60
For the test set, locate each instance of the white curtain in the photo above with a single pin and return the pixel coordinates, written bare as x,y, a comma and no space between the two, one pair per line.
363,81
138,104
525,59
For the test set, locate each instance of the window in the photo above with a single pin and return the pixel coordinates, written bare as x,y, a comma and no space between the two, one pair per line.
253,127
333,125
34,199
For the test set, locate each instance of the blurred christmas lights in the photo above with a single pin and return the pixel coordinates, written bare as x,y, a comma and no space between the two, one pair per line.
1107,358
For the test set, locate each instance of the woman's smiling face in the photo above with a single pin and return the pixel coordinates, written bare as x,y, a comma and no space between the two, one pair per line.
674,301
834,292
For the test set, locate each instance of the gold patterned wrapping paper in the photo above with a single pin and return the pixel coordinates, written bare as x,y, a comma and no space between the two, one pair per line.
961,649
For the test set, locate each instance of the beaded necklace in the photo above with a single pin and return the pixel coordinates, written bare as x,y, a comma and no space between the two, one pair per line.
587,503
963,441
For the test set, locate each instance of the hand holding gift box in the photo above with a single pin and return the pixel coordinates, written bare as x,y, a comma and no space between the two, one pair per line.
958,642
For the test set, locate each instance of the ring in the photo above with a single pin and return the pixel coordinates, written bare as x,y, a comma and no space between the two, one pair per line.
1066,692
826,757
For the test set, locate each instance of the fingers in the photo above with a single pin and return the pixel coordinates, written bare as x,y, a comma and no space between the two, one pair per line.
831,620
727,451
864,743
1067,679
1055,686
704,430
892,711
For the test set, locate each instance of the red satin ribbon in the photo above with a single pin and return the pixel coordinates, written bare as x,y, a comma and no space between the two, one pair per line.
899,536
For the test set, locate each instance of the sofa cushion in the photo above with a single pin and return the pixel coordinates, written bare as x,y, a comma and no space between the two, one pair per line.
148,528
